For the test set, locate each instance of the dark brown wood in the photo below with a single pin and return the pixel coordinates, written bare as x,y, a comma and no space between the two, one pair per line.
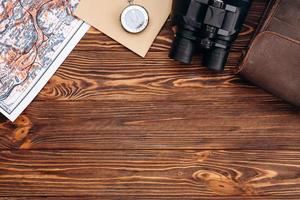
185,197
151,173
110,125
106,76
240,123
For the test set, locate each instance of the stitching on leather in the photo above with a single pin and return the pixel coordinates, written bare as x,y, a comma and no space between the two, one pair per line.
273,11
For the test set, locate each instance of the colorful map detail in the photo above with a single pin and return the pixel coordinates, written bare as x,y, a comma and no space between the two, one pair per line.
33,34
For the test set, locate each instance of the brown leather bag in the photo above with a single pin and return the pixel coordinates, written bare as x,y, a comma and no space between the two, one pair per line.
273,60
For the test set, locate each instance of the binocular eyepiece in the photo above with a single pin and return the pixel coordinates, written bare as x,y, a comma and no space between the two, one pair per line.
212,25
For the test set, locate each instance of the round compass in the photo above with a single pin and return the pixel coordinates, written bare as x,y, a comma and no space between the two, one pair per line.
134,18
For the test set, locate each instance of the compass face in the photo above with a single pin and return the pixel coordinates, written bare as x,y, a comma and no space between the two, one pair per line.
134,19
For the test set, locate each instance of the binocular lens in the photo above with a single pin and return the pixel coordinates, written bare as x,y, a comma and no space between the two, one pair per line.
215,59
182,50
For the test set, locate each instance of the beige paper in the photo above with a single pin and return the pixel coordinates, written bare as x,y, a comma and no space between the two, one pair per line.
105,16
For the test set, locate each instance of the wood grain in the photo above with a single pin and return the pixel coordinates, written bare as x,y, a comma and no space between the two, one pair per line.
153,197
110,125
150,125
99,76
150,173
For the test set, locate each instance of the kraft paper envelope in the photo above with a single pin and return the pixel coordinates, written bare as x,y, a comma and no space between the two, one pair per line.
105,16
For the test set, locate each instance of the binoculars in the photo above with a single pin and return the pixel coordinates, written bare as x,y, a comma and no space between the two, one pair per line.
212,25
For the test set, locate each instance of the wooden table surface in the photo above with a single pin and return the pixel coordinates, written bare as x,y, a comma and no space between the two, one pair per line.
110,125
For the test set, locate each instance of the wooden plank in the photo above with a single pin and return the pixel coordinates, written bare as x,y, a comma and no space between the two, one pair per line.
225,123
186,197
119,76
150,173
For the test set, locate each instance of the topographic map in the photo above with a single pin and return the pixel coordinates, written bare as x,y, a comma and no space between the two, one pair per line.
35,38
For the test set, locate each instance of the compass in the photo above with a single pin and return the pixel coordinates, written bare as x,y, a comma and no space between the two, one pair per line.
134,18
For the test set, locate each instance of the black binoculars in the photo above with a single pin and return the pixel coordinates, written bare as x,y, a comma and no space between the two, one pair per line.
212,25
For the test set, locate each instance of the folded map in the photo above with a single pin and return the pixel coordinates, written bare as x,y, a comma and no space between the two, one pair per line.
36,36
